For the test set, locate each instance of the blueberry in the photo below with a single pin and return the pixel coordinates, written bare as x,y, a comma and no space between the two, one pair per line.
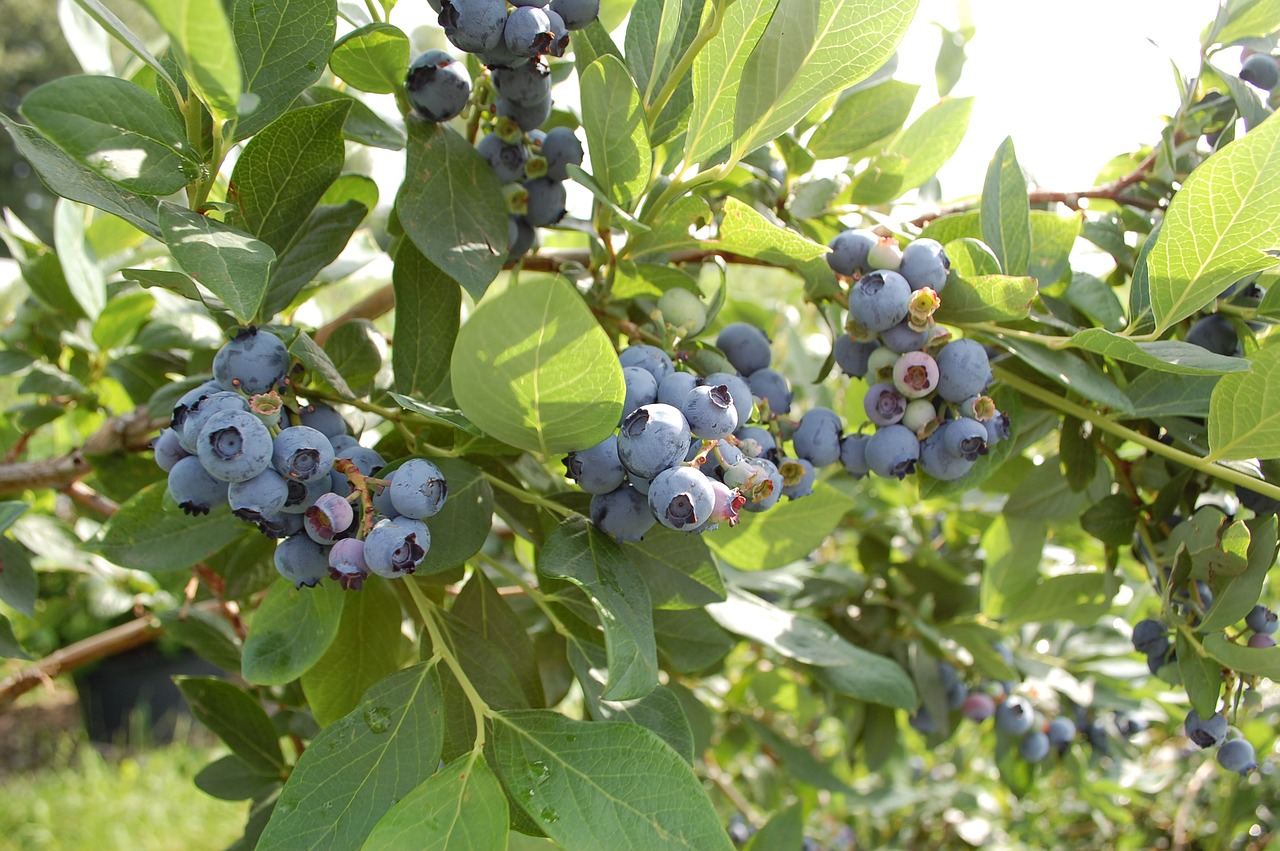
773,387
925,264
1014,716
853,455
473,25
199,413
938,462
798,475
885,255
1150,636
954,687
347,563
1206,733
367,461
851,355
965,438
1061,732
1261,619
641,389
919,413
330,516
884,404
1237,755
673,388
597,469
1034,747
1260,70
251,362
527,83
653,438
301,560
922,722
963,370
234,446
382,503
437,85
755,441
527,116
978,707
746,347
188,401
342,443
195,491
576,13
682,311
739,389
506,160
262,496
681,498
395,548
915,375
765,484
528,31
902,338
541,4
623,514
739,831
710,411
323,419
520,237
546,201
849,249
560,149
997,429
1260,641
817,438
168,449
649,357
728,502
559,33
1216,334
419,489
879,300
302,453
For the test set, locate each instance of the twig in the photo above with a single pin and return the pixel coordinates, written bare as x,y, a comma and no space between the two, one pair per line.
86,497
130,432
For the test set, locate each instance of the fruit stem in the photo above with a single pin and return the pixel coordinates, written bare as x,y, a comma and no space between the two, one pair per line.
1099,421
529,498
539,599
442,650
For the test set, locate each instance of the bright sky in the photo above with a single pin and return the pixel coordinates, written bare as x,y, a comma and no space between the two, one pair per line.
1074,83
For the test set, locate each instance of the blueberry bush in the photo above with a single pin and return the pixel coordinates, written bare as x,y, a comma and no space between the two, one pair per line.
661,467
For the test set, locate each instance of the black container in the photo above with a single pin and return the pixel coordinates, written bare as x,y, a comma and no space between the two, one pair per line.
131,695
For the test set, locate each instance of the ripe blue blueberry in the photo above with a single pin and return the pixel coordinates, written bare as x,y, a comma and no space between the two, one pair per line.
673,388
302,561
623,514
437,85
851,355
963,370
649,357
1216,334
561,148
367,461
597,469
262,496
302,453
879,300
418,489
1206,732
755,441
251,362
938,462
641,389
1034,746
1261,619
188,401
1061,732
168,449
710,411
527,116
739,389
473,25
302,495
527,83
849,249
234,446
925,264
817,438
681,498
1260,70
965,438
395,548
653,438
323,419
1014,716
745,346
853,455
576,13
520,237
1150,636
547,200
773,387
902,338
528,31
559,42
506,160
199,413
1237,755
195,491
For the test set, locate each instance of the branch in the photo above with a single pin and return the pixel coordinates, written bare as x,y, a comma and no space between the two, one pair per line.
130,432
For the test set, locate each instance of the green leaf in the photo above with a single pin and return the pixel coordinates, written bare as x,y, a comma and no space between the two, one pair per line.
915,154
785,533
863,118
717,76
10,647
743,230
480,605
871,678
784,830
1160,355
1078,597
1246,19
290,631
200,37
237,718
971,258
363,124
1201,675
1244,411
365,649
317,243
283,46
678,569
1233,602
577,552
69,179
1070,371
10,512
316,359
1255,661
689,640
120,131
80,267
659,710
617,135
122,318
355,347
1112,520
144,536
372,58
437,414
1006,213
800,61
117,29
208,634
1013,548
1219,226
1163,394
798,762
451,205
360,766
986,298
229,779
533,368
230,263
18,585
464,521
461,806
285,169
578,781
955,226
428,302
1052,238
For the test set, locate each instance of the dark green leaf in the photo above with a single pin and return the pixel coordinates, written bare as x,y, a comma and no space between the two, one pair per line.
238,719
372,58
1112,520
428,302
230,779
784,830
1078,597
1242,592
463,522
290,631
318,362
1160,394
354,348
283,46
1006,214
10,648
480,605
1070,371
144,536
690,640
18,578
10,512
438,414
1259,662
317,243
230,263
460,806
360,766
678,569
207,634
789,531
1201,675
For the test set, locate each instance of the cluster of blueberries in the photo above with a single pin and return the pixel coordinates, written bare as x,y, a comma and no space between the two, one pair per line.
512,43
926,394
294,470
1151,638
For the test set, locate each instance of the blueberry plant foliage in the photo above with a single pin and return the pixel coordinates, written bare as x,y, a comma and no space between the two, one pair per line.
881,522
